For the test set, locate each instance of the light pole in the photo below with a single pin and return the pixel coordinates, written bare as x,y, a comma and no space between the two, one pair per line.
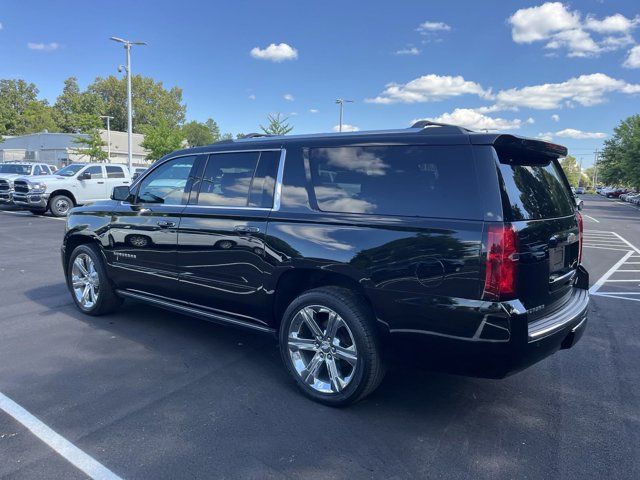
127,47
341,102
108,135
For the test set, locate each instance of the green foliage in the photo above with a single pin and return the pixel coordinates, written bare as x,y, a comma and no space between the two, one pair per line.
91,147
198,134
153,105
78,111
20,110
161,139
277,125
620,161
571,170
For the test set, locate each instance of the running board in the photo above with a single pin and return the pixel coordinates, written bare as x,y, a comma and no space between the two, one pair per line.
193,311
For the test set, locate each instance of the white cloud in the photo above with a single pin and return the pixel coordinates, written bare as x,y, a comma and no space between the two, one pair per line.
563,29
251,96
43,47
346,128
585,90
429,88
275,53
1,26
408,51
427,27
579,134
472,119
633,59
530,121
288,97
572,133
555,117
313,110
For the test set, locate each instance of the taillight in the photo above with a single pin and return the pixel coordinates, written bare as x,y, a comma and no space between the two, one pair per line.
580,236
502,263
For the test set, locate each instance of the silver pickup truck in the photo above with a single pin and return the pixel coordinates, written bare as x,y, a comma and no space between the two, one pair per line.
10,171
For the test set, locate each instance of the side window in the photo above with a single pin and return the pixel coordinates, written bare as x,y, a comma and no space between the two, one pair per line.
114,172
167,183
227,179
95,171
37,170
423,181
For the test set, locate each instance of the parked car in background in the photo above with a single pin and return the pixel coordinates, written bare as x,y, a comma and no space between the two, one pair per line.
73,185
137,171
580,190
579,202
12,170
615,192
348,246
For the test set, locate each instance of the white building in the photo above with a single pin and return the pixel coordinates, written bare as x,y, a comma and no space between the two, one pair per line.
61,148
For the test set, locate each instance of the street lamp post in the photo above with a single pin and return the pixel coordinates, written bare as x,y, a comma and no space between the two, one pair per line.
341,102
127,46
108,135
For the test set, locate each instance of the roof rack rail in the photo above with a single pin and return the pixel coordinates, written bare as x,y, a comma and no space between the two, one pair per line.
256,135
449,128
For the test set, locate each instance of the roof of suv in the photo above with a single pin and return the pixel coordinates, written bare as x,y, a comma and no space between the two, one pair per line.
422,132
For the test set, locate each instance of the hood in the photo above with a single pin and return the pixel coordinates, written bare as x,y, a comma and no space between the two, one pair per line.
9,176
43,178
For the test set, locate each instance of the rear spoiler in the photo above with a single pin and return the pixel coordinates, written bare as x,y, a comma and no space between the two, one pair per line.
515,146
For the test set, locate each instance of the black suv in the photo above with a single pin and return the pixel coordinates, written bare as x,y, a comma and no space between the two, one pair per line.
349,247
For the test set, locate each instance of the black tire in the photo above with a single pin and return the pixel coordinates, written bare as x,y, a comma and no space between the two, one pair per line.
369,369
60,205
107,300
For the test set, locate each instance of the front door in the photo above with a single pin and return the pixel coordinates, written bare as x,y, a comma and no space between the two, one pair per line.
221,236
143,235
94,188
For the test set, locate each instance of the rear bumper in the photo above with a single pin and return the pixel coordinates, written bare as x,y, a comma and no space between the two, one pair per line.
504,341
31,200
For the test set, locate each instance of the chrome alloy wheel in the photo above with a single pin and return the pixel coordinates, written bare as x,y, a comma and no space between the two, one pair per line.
85,281
322,349
62,206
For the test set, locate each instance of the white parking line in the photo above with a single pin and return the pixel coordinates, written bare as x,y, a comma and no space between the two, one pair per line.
59,444
590,217
609,272
29,214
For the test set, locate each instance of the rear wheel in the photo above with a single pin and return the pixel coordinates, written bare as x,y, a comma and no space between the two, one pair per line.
88,282
60,205
329,346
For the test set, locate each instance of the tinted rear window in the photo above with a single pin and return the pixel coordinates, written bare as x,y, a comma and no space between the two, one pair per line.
424,181
535,191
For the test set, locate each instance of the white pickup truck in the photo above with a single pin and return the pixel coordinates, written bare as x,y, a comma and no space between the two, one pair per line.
11,170
73,185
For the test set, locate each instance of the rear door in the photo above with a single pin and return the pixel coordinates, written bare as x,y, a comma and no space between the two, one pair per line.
116,176
539,204
221,237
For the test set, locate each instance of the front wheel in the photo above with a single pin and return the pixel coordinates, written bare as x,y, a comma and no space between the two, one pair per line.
60,205
330,347
88,282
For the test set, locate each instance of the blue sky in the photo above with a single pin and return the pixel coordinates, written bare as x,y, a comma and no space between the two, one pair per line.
556,70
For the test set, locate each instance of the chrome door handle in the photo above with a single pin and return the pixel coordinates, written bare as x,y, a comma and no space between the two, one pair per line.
100,183
166,224
246,229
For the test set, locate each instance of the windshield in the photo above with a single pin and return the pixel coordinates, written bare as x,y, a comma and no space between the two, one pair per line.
70,170
15,169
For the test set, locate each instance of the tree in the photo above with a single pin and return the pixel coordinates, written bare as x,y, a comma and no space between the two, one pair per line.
620,161
213,128
78,111
277,125
571,170
91,146
17,99
198,134
161,139
153,105
38,117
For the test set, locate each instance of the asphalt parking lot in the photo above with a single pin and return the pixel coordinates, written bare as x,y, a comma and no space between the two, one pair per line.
150,394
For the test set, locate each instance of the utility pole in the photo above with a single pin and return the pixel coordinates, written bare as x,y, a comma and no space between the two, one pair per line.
127,46
579,172
595,169
108,135
341,102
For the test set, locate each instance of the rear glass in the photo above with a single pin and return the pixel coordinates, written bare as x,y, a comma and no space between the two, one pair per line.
423,181
536,191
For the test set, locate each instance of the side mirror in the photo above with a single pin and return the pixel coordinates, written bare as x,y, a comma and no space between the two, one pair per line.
121,193
84,176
